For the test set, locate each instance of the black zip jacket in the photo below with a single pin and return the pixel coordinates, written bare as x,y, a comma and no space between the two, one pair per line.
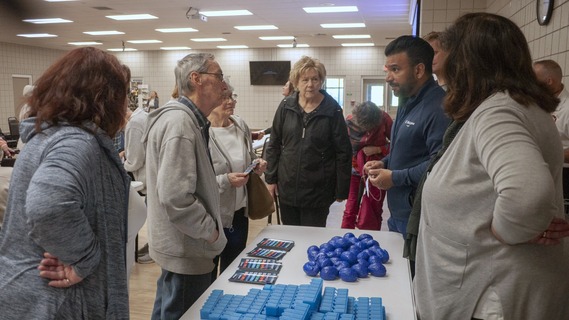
311,164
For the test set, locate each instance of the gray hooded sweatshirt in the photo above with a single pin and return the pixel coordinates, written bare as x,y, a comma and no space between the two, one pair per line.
182,194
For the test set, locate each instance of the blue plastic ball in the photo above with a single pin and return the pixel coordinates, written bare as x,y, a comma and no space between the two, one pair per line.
349,235
326,247
312,247
385,257
377,270
328,273
348,274
363,255
364,236
349,257
311,268
374,259
324,262
361,270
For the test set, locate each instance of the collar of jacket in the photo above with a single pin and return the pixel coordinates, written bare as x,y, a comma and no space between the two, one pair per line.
414,100
328,107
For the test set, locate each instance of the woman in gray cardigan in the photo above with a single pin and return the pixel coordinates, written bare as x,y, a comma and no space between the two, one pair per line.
489,245
67,201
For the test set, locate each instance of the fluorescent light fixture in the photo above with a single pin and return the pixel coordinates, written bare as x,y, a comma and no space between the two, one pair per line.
330,9
208,39
144,41
289,45
121,49
351,36
122,17
343,25
47,21
59,0
241,46
259,27
277,38
85,43
103,33
368,44
175,48
37,35
226,13
171,30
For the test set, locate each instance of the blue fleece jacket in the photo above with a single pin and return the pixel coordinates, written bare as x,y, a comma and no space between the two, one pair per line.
416,136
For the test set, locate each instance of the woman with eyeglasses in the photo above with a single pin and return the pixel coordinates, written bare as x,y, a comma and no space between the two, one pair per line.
231,152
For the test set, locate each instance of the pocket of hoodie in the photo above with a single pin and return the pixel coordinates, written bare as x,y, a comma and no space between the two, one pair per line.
448,257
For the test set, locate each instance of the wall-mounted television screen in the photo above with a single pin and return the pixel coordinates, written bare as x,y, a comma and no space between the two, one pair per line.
269,73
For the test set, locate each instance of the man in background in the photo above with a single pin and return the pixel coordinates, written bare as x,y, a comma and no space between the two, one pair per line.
549,73
184,220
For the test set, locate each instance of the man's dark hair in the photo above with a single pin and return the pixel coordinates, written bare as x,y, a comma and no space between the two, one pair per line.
417,49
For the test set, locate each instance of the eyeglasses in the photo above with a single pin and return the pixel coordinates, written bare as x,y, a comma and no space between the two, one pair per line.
219,76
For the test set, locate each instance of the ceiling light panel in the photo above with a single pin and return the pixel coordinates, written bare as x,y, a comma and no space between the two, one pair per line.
226,13
369,44
122,49
331,9
47,21
351,36
85,43
277,38
144,41
123,17
37,35
175,48
172,30
103,33
233,47
260,27
343,25
298,45
208,39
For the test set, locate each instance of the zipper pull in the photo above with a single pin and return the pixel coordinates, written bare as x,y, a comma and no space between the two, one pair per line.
303,130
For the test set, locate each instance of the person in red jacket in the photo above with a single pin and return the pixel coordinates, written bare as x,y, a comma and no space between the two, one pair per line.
370,129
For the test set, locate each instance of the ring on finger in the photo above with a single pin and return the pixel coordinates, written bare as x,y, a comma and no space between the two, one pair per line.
544,235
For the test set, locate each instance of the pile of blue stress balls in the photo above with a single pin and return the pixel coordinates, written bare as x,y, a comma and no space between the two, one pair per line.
348,257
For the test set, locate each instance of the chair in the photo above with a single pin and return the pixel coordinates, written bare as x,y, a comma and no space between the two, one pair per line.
275,198
14,126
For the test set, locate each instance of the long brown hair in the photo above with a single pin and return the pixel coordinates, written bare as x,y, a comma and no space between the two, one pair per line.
488,54
86,84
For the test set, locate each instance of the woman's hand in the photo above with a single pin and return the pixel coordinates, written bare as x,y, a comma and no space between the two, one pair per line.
371,150
60,274
272,189
237,179
261,167
557,230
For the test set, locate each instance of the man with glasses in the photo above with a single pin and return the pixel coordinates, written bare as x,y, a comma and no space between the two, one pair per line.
184,220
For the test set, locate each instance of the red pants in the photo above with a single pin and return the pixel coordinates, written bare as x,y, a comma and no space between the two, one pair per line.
365,212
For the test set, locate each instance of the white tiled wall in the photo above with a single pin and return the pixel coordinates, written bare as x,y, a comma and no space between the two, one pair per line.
545,42
20,60
257,104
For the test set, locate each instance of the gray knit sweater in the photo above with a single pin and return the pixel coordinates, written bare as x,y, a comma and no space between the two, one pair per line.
68,197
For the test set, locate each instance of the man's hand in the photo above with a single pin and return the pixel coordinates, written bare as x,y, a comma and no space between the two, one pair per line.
374,164
381,178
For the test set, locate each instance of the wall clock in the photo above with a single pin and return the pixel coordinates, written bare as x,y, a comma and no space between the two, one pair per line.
544,8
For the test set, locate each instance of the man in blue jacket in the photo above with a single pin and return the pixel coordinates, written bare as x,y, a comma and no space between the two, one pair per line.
418,129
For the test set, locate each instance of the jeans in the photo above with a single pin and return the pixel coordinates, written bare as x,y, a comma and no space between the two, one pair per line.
176,293
398,225
236,241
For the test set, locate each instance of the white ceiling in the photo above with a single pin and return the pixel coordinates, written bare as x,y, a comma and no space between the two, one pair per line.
384,20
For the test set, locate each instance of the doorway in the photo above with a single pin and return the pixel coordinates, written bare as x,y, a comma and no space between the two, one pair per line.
19,81
378,92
